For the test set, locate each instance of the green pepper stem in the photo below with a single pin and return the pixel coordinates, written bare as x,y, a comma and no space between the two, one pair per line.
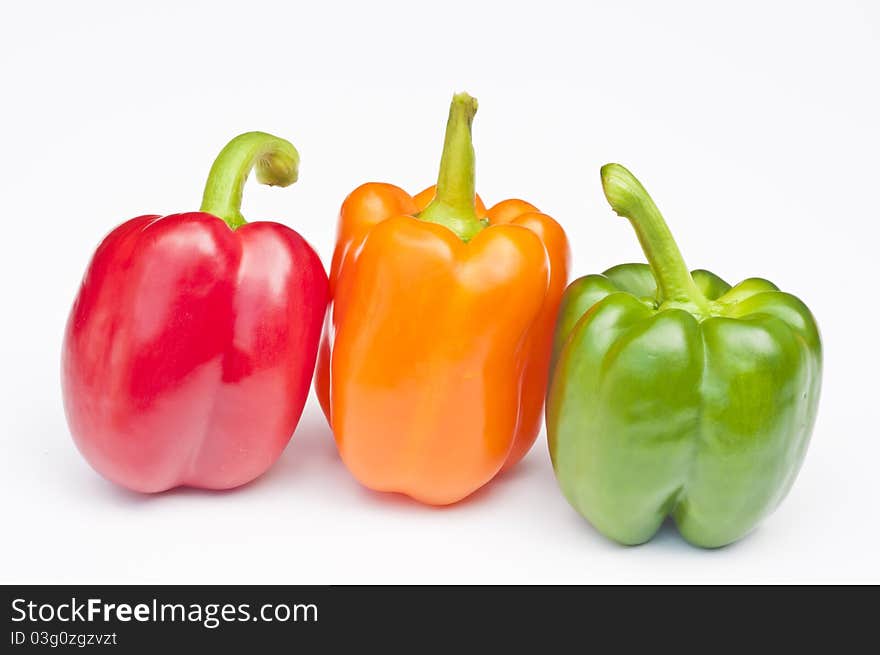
629,199
453,204
277,163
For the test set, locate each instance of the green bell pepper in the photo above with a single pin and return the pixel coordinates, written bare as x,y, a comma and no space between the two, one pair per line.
673,393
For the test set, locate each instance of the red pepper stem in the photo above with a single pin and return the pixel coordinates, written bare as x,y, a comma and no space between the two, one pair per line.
277,163
628,198
454,203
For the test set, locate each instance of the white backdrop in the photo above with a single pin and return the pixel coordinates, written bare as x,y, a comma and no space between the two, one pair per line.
754,127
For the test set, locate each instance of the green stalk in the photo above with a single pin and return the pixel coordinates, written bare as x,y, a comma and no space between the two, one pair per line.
628,198
277,163
454,202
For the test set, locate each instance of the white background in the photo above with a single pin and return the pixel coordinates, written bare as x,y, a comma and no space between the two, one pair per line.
755,127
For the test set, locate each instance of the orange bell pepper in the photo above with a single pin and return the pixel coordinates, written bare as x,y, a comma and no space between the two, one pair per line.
434,361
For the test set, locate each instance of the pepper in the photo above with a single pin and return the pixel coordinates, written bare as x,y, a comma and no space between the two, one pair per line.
433,368
675,394
190,347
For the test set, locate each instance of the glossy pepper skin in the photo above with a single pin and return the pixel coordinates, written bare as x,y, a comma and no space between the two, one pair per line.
190,348
676,394
433,369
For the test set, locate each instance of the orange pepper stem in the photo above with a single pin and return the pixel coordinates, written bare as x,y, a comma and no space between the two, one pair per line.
454,202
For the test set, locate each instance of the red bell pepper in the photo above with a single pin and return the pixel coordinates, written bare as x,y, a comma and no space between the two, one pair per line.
190,348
